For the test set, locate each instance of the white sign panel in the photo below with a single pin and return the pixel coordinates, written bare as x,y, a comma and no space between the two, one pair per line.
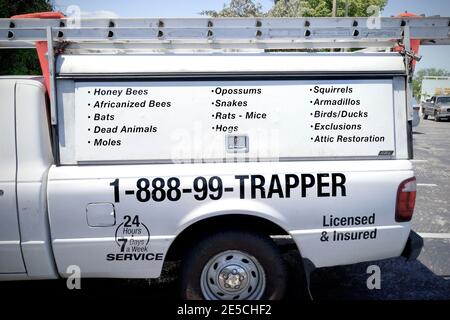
224,120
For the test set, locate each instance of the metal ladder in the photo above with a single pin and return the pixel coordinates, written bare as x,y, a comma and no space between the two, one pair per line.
223,33
98,35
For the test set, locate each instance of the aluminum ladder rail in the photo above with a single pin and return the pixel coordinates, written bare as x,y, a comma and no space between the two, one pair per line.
92,34
103,35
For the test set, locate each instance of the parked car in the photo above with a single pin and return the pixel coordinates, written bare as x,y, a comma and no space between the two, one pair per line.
437,107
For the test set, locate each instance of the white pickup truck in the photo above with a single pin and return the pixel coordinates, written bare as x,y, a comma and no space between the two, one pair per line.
205,157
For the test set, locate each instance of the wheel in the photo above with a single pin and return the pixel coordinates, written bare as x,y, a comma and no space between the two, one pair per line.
233,265
436,118
425,116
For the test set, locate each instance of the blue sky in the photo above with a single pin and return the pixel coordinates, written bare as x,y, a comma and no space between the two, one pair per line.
437,56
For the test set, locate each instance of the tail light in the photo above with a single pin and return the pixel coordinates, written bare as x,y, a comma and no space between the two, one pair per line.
406,199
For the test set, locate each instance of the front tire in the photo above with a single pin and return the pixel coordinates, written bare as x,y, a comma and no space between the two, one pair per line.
436,118
233,265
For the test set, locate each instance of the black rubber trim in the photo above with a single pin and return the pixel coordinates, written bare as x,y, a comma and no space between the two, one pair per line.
231,76
413,246
410,140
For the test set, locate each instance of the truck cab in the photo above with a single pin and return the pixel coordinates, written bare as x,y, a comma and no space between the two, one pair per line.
26,157
438,107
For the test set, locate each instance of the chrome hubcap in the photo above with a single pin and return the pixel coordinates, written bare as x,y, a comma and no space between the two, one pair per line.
233,275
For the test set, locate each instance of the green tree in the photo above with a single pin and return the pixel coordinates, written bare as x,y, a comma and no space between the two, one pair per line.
25,61
296,8
419,75
323,8
237,8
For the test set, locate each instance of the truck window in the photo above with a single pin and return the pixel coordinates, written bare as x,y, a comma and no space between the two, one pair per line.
443,100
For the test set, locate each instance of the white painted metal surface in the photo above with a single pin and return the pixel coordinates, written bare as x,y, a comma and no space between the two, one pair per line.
276,63
34,157
10,253
193,71
371,188
184,121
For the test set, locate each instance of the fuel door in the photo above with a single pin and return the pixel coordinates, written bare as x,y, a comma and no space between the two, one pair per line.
100,214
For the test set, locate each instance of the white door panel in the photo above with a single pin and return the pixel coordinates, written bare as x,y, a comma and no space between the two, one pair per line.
10,253
153,203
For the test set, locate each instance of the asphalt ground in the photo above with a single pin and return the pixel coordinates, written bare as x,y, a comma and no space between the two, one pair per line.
426,278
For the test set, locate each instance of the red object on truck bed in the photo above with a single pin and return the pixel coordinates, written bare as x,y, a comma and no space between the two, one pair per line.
41,46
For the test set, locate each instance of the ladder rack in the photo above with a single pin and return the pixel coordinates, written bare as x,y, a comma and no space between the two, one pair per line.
223,33
52,37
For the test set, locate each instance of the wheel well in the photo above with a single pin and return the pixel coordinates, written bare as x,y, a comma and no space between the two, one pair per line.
210,225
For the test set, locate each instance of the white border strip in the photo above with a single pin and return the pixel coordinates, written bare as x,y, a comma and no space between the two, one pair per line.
427,235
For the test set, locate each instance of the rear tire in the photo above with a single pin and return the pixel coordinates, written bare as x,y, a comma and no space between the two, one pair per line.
425,116
233,265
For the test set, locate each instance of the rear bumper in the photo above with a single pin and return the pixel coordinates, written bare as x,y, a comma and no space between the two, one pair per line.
413,246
